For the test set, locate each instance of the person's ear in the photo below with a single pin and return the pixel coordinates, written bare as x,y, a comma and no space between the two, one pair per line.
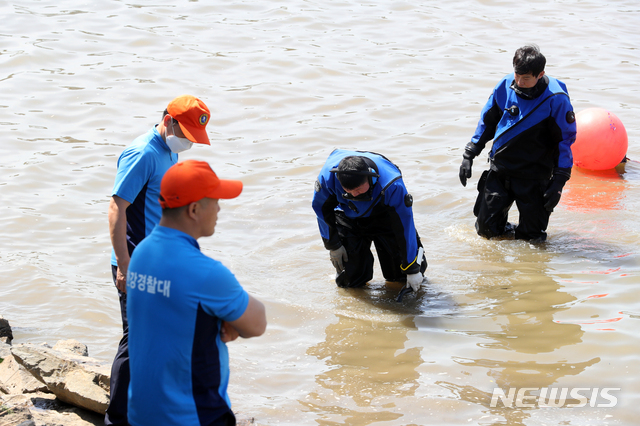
193,209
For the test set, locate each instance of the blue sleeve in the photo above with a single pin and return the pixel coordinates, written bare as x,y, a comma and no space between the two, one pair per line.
135,168
324,203
224,297
488,123
562,112
403,226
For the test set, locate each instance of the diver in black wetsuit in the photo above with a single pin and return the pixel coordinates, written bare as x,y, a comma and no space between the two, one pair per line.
530,119
360,198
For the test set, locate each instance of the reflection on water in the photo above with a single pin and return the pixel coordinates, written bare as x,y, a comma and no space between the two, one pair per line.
369,365
524,308
521,342
590,190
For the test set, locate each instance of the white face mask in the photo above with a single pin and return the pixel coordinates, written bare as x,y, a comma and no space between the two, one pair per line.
177,144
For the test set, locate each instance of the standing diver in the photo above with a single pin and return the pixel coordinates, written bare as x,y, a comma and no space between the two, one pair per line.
531,121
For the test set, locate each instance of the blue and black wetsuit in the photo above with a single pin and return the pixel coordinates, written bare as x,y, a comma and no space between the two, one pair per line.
532,135
386,220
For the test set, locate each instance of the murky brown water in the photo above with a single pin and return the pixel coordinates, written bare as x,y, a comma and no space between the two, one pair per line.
287,82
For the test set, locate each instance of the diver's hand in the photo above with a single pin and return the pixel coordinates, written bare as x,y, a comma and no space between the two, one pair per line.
554,190
414,281
553,193
465,170
338,257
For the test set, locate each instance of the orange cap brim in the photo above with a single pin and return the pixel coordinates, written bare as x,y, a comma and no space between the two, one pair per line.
227,189
195,135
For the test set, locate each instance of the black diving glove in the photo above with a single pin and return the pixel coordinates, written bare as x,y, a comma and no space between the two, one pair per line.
465,167
554,191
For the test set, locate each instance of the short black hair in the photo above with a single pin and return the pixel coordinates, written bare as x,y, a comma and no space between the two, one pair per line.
350,164
173,120
528,59
173,212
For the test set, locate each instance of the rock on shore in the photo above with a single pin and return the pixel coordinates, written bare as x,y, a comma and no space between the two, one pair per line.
43,386
53,386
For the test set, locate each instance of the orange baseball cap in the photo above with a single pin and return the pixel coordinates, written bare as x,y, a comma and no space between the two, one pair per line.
191,181
192,115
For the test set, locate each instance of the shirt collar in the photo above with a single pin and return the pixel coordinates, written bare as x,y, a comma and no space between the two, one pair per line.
174,233
157,137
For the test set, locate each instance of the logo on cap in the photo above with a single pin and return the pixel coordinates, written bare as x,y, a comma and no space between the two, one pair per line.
203,119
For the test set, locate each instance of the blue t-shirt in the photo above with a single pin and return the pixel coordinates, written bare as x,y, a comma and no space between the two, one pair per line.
141,167
177,299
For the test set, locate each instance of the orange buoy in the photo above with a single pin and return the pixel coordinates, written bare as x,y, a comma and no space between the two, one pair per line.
601,142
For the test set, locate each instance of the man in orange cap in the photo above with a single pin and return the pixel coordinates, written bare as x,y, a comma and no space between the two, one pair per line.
134,211
184,306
